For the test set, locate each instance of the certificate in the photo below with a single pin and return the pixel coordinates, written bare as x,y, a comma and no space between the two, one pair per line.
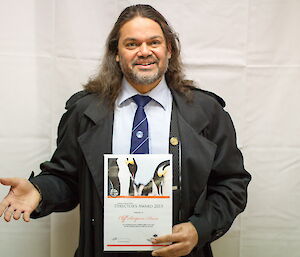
137,201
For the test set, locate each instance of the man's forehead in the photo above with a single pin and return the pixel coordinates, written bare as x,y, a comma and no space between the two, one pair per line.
140,27
150,38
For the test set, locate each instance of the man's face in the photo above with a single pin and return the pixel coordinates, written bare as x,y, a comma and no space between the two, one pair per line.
142,53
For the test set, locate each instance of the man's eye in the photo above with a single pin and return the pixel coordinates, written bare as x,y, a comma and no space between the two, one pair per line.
155,43
131,45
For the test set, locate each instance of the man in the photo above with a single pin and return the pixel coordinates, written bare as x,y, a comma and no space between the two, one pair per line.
142,57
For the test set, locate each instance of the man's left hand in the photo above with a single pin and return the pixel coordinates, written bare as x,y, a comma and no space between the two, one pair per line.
184,238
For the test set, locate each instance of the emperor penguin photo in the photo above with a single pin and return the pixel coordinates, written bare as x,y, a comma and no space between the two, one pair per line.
124,176
155,186
113,178
132,166
160,176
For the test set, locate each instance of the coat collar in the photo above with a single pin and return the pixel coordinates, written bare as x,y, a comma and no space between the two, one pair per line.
191,112
98,110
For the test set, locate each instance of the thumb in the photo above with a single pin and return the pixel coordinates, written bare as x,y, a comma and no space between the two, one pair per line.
9,181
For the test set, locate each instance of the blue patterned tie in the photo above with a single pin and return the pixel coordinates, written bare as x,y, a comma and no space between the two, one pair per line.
139,136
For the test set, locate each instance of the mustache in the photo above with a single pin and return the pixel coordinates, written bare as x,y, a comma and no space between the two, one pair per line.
142,60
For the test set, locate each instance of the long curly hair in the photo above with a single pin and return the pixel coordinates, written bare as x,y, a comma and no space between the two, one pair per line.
107,82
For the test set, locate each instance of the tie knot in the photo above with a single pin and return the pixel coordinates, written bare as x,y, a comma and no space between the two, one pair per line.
141,100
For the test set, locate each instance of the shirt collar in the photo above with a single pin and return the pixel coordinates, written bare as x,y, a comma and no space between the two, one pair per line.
159,93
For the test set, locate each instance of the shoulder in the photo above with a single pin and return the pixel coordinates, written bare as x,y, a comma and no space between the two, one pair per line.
81,100
205,97
212,107
206,104
87,106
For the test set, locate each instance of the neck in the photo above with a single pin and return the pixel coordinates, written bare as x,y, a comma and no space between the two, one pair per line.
143,89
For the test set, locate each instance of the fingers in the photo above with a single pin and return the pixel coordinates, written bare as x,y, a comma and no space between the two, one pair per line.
21,199
8,213
184,238
17,214
162,239
179,246
167,238
173,250
174,237
9,181
26,216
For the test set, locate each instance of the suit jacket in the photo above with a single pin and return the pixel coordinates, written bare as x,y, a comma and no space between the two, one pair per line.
213,179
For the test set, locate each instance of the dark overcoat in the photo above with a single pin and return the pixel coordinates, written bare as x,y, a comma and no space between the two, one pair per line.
213,179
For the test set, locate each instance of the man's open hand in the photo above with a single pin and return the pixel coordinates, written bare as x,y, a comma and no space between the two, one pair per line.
184,238
22,199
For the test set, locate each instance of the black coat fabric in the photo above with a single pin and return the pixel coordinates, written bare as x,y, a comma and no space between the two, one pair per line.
214,181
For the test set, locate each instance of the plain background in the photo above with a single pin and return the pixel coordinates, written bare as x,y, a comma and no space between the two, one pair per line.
247,51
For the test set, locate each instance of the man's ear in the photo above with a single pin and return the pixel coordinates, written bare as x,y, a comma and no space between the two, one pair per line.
117,58
169,55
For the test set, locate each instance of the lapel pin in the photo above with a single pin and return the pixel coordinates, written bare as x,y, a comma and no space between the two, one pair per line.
174,141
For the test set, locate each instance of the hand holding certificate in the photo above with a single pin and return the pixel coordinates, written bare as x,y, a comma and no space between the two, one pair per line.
184,239
137,201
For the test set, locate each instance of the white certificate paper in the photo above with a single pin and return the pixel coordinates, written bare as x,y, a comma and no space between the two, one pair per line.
137,201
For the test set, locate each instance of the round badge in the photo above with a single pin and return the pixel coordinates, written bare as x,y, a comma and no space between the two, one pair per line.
114,192
174,141
139,134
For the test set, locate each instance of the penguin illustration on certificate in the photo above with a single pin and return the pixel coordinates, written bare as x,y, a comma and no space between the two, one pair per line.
159,181
132,166
161,177
124,176
113,178
121,174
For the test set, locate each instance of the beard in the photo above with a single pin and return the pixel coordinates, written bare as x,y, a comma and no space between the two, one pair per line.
143,77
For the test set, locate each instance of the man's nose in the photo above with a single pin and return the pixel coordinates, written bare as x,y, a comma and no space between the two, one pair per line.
144,50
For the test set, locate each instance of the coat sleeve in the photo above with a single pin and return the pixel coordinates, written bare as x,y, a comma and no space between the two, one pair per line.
58,180
226,191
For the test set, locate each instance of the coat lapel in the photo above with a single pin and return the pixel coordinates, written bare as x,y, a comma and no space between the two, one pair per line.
97,141
197,152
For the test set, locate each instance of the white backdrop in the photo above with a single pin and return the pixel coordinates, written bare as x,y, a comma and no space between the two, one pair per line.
247,51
